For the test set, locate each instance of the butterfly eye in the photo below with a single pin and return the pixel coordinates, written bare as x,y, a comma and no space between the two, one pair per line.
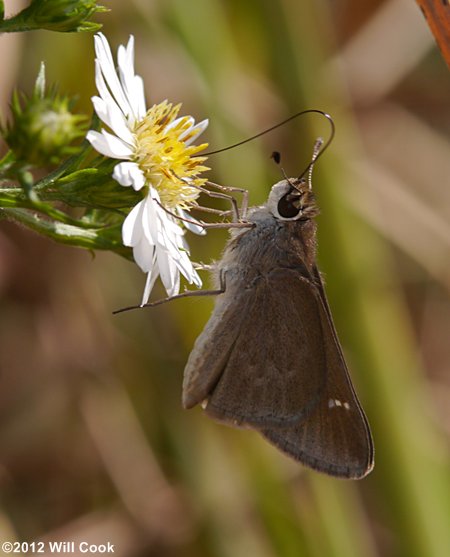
288,206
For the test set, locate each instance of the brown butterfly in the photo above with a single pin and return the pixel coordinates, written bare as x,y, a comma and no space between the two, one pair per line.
269,358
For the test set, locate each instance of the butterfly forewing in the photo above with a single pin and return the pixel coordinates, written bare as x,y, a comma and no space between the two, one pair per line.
275,372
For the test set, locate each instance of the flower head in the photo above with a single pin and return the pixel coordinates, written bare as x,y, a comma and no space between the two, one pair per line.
42,126
158,158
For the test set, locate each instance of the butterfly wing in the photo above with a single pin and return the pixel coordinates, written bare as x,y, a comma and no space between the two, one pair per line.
213,346
267,361
260,360
335,437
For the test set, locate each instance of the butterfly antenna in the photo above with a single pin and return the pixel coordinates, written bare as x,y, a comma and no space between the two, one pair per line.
319,148
316,150
309,111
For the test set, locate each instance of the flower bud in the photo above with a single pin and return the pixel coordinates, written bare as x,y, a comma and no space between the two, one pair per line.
42,127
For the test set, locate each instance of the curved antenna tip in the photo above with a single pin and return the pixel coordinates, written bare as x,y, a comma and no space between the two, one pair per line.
320,147
268,130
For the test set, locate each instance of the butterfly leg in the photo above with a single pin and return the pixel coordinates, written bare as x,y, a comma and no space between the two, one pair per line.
217,212
226,194
207,225
219,195
186,294
222,195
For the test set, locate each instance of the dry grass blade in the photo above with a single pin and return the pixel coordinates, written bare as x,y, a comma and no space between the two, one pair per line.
149,498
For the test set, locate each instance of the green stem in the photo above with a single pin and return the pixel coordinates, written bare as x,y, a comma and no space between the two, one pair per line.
64,233
16,25
15,198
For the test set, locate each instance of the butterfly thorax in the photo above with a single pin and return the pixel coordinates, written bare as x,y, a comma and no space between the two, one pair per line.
271,244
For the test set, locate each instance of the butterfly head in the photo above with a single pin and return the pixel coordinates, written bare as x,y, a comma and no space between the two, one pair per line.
292,200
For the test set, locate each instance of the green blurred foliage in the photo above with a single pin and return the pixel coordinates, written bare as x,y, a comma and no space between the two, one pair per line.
95,445
64,16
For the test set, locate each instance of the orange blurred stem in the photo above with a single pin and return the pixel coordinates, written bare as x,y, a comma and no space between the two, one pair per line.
437,15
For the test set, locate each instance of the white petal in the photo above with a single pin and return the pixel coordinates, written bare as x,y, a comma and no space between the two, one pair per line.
184,245
176,285
110,115
109,145
159,247
133,235
132,230
102,88
168,272
125,70
169,223
150,220
196,279
154,193
194,226
125,59
180,255
157,228
193,277
143,254
141,108
152,275
163,227
177,120
108,70
129,174
196,130
185,265
132,88
168,234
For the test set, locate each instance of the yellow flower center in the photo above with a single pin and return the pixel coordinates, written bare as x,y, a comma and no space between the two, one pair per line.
166,161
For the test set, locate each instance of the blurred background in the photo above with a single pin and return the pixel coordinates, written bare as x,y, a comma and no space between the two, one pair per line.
94,443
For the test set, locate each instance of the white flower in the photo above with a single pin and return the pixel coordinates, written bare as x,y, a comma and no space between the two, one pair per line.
157,153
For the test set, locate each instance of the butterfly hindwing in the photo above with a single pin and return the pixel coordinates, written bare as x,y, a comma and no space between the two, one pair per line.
335,437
